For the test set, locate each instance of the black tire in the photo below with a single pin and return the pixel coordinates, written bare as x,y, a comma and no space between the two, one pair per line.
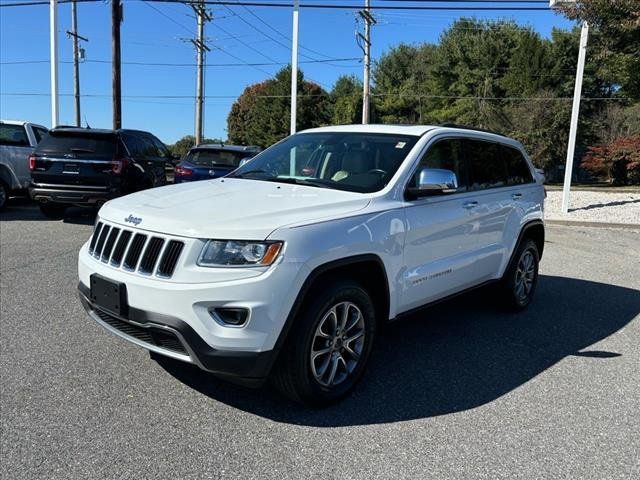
519,281
294,374
54,211
4,195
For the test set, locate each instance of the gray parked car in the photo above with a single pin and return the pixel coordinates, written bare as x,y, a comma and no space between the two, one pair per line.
17,141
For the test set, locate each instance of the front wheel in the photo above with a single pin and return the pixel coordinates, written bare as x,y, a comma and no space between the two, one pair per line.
329,345
520,279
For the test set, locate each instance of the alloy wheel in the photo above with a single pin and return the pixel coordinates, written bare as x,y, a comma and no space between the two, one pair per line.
337,344
525,275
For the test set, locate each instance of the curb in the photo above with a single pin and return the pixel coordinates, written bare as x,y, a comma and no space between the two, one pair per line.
579,223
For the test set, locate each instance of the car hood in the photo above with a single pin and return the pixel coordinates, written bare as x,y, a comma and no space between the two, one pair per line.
229,208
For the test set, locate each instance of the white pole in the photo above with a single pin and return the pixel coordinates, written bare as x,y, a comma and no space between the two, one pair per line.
575,111
367,65
53,27
294,67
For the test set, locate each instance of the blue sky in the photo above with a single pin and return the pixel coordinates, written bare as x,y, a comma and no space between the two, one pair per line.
157,33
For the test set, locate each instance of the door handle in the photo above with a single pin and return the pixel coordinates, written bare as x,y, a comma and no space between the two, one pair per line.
516,196
471,204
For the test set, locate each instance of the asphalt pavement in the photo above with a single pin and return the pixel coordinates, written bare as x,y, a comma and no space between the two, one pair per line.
462,390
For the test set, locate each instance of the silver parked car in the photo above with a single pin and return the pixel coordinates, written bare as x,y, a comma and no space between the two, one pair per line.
17,141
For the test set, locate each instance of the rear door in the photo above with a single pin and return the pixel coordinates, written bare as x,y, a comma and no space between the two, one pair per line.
441,245
495,206
15,149
75,157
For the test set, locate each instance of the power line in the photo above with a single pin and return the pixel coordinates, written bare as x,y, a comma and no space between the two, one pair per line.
493,7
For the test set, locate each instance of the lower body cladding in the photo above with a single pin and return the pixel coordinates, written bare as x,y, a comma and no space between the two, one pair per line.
174,338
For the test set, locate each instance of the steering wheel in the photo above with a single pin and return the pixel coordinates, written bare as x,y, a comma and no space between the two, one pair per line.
378,171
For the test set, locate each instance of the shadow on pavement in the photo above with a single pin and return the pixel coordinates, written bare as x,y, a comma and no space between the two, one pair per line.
454,356
23,209
603,205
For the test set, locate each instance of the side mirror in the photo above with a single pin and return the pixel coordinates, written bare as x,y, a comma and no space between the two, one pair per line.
434,181
244,160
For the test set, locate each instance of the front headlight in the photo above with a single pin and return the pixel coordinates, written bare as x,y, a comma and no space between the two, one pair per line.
220,253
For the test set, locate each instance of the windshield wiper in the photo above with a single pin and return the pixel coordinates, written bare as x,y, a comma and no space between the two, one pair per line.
252,172
82,150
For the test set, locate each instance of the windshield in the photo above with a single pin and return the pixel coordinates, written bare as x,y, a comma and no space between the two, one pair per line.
353,161
216,158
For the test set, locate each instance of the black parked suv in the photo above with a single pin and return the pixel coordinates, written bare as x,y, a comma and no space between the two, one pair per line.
87,167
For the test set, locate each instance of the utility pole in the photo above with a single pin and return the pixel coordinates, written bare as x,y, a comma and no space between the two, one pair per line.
365,44
73,34
53,39
294,67
116,20
202,16
575,109
575,113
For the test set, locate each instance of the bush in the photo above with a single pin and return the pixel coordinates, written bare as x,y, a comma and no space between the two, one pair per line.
618,161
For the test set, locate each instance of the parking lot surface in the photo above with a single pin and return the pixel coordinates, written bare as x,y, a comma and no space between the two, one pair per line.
460,390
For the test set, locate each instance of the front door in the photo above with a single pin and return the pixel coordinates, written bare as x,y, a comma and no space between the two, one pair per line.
441,237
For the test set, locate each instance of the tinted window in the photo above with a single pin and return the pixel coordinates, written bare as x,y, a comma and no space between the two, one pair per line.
39,133
210,158
14,135
88,145
446,155
135,145
161,147
518,171
352,161
486,166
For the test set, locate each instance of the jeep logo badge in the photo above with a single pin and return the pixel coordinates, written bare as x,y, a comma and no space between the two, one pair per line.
135,220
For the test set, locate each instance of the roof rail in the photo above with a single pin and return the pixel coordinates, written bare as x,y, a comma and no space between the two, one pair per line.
467,127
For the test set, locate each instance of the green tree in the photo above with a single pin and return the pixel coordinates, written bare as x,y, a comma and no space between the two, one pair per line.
346,97
182,146
617,23
260,116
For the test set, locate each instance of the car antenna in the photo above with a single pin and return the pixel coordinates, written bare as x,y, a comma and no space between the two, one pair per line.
86,123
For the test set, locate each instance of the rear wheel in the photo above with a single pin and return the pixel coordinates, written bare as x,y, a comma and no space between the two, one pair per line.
329,345
54,211
4,195
519,281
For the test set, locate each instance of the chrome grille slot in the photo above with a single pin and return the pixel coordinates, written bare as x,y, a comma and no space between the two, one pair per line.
121,246
141,253
133,255
94,237
170,258
108,246
151,254
101,240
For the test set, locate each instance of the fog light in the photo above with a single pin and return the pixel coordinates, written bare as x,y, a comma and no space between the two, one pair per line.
230,317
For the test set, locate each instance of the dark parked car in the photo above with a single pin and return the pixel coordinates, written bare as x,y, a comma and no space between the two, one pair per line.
87,167
211,161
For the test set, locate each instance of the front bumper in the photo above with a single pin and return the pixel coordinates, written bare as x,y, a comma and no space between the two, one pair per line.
174,338
85,195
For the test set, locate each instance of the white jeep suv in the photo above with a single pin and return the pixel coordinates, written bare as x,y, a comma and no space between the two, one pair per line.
287,267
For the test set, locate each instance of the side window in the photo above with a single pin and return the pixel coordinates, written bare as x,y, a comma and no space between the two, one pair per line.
447,155
486,165
163,152
14,135
518,171
39,133
150,150
134,144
